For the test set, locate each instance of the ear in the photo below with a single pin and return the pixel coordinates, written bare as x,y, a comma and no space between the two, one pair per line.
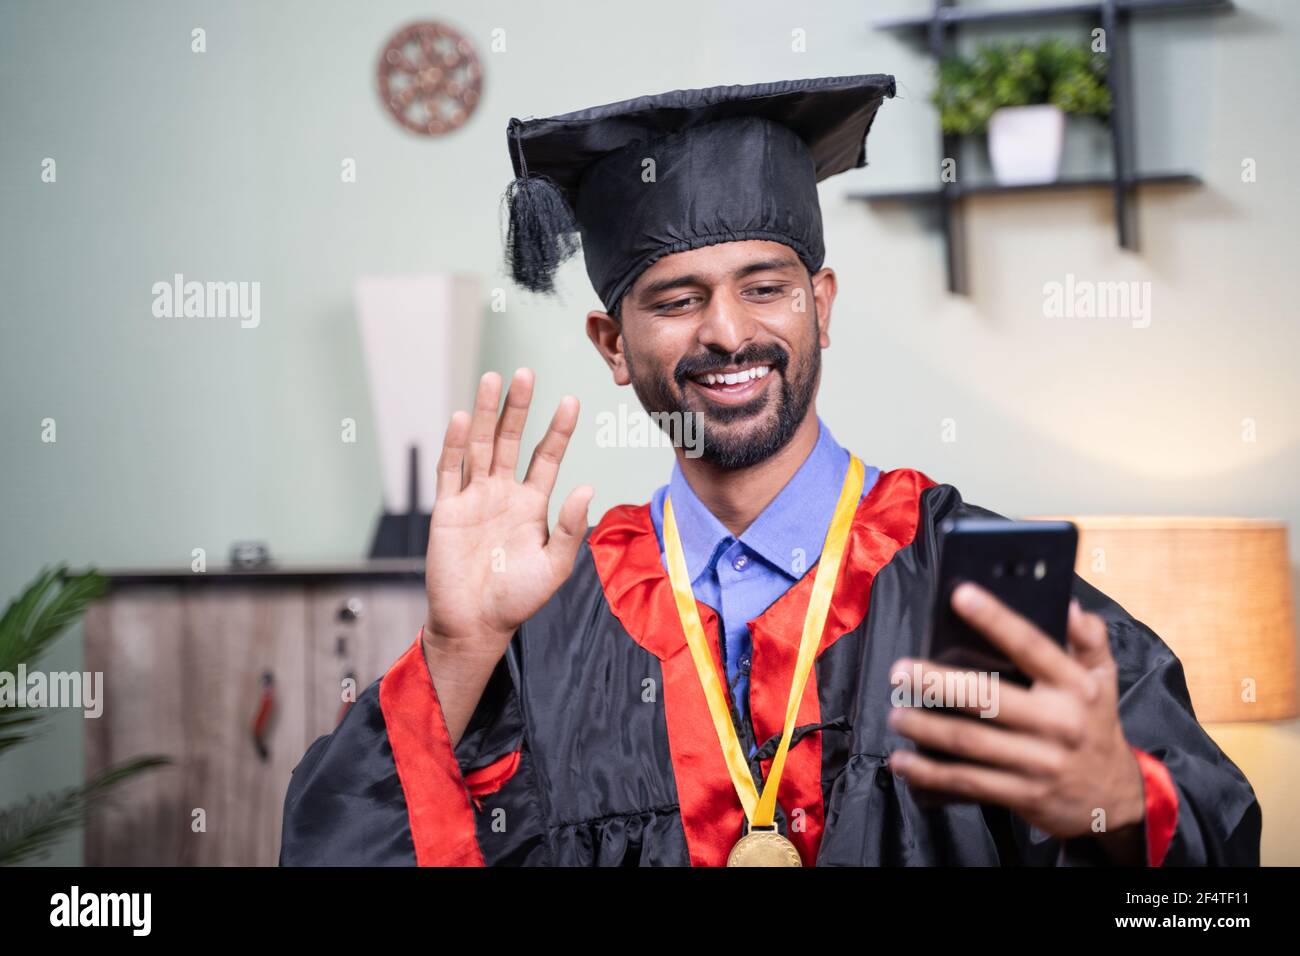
607,335
824,288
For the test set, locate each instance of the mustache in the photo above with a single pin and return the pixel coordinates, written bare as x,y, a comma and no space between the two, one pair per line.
694,365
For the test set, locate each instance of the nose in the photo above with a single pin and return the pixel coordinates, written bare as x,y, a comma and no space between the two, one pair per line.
726,325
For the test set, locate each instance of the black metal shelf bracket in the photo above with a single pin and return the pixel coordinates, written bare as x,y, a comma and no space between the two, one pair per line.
937,30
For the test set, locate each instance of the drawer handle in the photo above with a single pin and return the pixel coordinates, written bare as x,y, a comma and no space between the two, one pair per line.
265,707
351,610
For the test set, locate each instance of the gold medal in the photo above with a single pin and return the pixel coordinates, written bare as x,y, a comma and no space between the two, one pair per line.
762,846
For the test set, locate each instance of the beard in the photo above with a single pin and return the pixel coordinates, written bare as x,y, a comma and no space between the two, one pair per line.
723,445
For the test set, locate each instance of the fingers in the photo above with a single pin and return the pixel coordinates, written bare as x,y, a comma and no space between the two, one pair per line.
510,427
482,444
1045,710
490,444
1036,654
570,528
545,463
967,781
453,455
977,740
482,429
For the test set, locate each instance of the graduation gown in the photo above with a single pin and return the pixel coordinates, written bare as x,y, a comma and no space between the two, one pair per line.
592,744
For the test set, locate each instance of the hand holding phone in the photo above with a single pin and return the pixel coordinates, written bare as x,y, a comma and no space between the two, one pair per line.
1029,567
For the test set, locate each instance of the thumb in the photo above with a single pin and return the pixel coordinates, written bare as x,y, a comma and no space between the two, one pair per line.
570,528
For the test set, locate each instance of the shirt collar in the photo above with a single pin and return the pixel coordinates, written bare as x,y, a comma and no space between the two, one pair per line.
701,533
790,531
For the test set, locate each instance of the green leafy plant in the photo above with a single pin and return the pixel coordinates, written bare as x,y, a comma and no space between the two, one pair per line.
31,624
1066,75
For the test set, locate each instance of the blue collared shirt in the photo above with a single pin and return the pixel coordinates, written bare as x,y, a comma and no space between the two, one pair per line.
741,577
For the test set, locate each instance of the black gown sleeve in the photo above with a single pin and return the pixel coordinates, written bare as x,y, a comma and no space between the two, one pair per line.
386,788
1201,810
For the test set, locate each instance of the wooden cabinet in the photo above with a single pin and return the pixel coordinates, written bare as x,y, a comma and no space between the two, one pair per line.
187,660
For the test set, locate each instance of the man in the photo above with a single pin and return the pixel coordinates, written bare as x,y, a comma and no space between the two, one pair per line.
706,679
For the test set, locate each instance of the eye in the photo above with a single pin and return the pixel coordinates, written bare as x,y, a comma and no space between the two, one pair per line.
676,304
766,291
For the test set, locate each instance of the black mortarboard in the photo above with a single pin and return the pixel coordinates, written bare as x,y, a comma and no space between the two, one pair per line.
729,163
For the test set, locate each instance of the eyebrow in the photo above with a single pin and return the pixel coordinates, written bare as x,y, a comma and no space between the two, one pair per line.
677,282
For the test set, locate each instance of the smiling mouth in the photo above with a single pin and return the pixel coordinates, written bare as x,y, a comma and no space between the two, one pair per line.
733,384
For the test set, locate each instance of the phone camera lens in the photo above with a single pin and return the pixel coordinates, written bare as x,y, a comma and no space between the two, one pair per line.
1021,569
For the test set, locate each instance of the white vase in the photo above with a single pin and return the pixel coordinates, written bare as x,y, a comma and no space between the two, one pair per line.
1025,144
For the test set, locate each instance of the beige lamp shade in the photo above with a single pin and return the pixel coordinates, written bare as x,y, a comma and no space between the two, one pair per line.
1217,591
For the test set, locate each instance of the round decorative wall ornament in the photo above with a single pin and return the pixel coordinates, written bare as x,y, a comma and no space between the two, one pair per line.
429,78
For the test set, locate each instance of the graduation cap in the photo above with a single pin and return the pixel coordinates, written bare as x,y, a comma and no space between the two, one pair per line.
633,181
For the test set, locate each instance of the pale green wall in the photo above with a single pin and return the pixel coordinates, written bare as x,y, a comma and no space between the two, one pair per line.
225,165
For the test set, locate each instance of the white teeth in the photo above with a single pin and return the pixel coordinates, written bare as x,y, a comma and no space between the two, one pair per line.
735,378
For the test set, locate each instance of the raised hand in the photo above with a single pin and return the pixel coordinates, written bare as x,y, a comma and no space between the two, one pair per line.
492,561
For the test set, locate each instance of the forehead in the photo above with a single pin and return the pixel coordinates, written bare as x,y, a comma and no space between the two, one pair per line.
716,263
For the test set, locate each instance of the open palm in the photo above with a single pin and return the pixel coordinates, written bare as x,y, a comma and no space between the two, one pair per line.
492,560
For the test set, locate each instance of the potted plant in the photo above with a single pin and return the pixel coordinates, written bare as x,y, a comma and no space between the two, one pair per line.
29,626
1019,93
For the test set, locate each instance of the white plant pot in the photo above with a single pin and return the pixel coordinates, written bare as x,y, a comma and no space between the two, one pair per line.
1025,144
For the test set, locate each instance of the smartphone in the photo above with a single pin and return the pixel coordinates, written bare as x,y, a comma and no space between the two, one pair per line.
1028,566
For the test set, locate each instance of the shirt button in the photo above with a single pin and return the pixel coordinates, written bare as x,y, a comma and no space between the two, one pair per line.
740,563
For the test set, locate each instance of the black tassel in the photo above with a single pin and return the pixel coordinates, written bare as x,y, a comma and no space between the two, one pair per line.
541,233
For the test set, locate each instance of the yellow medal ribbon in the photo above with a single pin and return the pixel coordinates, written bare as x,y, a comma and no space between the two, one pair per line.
761,811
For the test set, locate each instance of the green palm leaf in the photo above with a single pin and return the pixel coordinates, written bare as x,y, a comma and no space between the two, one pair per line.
30,829
30,625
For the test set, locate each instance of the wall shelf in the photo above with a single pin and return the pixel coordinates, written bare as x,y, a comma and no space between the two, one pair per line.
953,15
1061,185
937,30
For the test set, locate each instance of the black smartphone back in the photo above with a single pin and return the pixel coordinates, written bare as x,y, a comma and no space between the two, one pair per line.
1027,565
